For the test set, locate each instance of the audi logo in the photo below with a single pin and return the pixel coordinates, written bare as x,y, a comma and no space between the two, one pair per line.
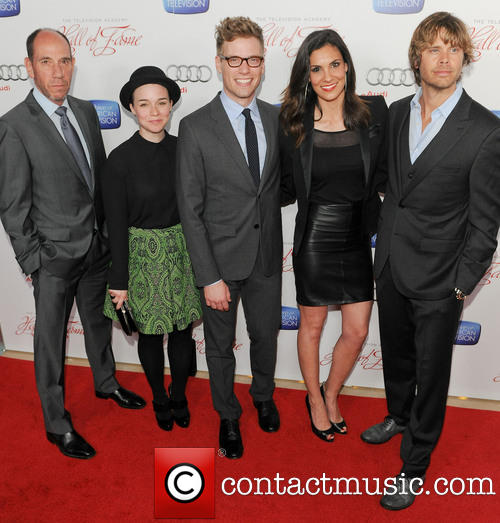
189,73
13,72
387,76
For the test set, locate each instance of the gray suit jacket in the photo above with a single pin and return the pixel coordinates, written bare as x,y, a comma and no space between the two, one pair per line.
46,207
225,217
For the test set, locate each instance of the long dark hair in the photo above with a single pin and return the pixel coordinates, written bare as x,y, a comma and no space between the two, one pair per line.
299,95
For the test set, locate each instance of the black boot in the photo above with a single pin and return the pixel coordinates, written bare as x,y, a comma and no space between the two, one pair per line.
164,416
180,410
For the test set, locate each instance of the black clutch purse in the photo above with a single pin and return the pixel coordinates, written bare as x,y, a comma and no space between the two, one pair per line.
126,320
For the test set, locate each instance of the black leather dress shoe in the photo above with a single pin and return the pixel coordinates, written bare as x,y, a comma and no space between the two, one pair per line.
230,442
71,444
402,494
382,432
124,398
269,418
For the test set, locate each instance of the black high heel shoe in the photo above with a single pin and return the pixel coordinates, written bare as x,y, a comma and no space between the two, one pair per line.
322,434
180,410
341,426
164,416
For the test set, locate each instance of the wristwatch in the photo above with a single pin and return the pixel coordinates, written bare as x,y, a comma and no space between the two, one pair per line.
459,294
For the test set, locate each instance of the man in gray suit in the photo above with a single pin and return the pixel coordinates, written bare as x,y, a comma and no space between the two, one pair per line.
228,193
51,151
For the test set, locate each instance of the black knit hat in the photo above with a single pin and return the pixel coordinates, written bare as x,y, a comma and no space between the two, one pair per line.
148,74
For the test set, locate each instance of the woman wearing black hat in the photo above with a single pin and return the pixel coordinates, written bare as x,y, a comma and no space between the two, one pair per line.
150,266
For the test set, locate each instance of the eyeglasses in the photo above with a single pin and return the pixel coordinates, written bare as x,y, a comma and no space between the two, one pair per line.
236,61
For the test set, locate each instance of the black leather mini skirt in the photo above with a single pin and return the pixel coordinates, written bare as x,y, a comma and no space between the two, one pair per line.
334,263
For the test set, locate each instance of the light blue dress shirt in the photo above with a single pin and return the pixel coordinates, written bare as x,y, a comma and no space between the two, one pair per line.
419,140
235,115
50,108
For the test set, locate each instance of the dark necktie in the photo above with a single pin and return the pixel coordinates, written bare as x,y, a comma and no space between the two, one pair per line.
75,146
252,147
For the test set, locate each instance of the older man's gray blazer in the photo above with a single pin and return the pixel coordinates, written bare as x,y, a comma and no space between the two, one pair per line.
46,206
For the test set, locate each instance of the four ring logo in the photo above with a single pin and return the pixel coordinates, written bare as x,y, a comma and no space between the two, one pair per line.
386,76
184,482
190,73
13,72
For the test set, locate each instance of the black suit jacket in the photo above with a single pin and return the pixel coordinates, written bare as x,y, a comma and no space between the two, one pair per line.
46,206
439,220
296,167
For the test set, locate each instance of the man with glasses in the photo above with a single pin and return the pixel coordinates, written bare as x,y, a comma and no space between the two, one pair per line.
228,194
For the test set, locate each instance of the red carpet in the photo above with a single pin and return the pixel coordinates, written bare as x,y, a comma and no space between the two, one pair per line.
40,484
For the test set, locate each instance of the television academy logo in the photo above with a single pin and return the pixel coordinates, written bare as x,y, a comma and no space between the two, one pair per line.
398,7
186,7
190,73
13,72
27,326
287,39
290,318
386,76
468,333
484,38
369,359
9,8
492,274
287,265
108,113
105,41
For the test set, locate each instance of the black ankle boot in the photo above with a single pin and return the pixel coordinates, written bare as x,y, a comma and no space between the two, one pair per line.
164,416
180,410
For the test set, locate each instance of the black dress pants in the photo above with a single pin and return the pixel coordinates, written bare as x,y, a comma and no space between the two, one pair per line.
417,339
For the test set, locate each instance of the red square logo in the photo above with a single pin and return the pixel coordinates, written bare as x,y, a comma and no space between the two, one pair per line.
184,483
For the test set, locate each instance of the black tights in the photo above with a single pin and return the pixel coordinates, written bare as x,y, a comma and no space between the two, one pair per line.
152,358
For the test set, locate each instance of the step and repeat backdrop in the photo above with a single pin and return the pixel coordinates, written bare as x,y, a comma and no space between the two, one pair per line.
110,39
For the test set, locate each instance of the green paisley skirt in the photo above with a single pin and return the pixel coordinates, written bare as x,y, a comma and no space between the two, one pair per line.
161,289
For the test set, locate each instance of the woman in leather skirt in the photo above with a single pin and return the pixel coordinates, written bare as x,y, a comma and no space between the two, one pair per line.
331,148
